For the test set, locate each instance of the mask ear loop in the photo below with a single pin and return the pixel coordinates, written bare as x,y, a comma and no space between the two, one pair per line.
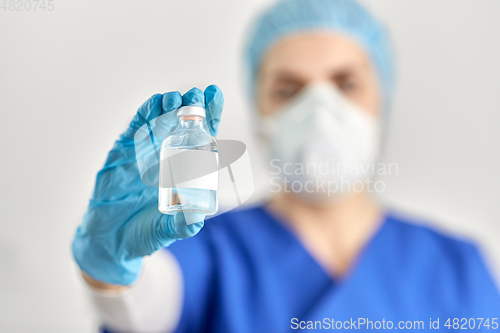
384,125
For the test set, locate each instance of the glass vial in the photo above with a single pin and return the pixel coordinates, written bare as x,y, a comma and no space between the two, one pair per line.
189,165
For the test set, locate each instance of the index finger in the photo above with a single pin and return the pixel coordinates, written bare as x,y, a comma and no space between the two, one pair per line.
214,102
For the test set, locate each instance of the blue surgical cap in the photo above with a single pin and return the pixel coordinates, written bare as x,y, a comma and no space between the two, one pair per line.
287,17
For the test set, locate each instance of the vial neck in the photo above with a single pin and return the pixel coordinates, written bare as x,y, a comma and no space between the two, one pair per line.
190,122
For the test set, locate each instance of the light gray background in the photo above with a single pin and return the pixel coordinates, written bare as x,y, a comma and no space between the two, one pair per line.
71,80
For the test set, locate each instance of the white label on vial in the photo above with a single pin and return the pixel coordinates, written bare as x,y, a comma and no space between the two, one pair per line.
189,168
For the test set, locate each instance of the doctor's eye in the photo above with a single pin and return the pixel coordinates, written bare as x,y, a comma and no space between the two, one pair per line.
284,93
348,84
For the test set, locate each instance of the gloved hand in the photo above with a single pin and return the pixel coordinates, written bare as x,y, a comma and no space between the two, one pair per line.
122,223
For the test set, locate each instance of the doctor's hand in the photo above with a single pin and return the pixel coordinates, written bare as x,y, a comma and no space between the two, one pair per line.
122,223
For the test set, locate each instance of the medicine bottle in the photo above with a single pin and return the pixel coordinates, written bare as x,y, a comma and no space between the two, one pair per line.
189,166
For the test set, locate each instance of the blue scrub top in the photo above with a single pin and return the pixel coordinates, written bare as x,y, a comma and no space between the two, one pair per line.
247,272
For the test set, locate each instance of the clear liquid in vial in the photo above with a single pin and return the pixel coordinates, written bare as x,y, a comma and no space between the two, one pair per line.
173,200
191,134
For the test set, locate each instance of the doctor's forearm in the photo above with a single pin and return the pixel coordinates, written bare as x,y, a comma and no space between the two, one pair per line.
152,304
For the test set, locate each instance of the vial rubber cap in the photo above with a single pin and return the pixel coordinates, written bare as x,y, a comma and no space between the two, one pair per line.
190,110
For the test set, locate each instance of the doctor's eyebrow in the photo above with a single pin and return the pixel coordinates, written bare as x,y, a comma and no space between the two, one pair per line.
351,68
286,77
354,66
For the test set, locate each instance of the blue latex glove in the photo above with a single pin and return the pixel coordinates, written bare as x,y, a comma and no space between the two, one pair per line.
122,223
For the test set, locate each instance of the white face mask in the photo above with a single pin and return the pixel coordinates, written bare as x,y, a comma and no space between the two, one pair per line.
321,137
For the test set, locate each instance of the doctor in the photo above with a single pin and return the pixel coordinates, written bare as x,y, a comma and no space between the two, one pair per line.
322,253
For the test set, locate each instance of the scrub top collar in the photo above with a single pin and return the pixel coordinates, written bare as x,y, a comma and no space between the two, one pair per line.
372,242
